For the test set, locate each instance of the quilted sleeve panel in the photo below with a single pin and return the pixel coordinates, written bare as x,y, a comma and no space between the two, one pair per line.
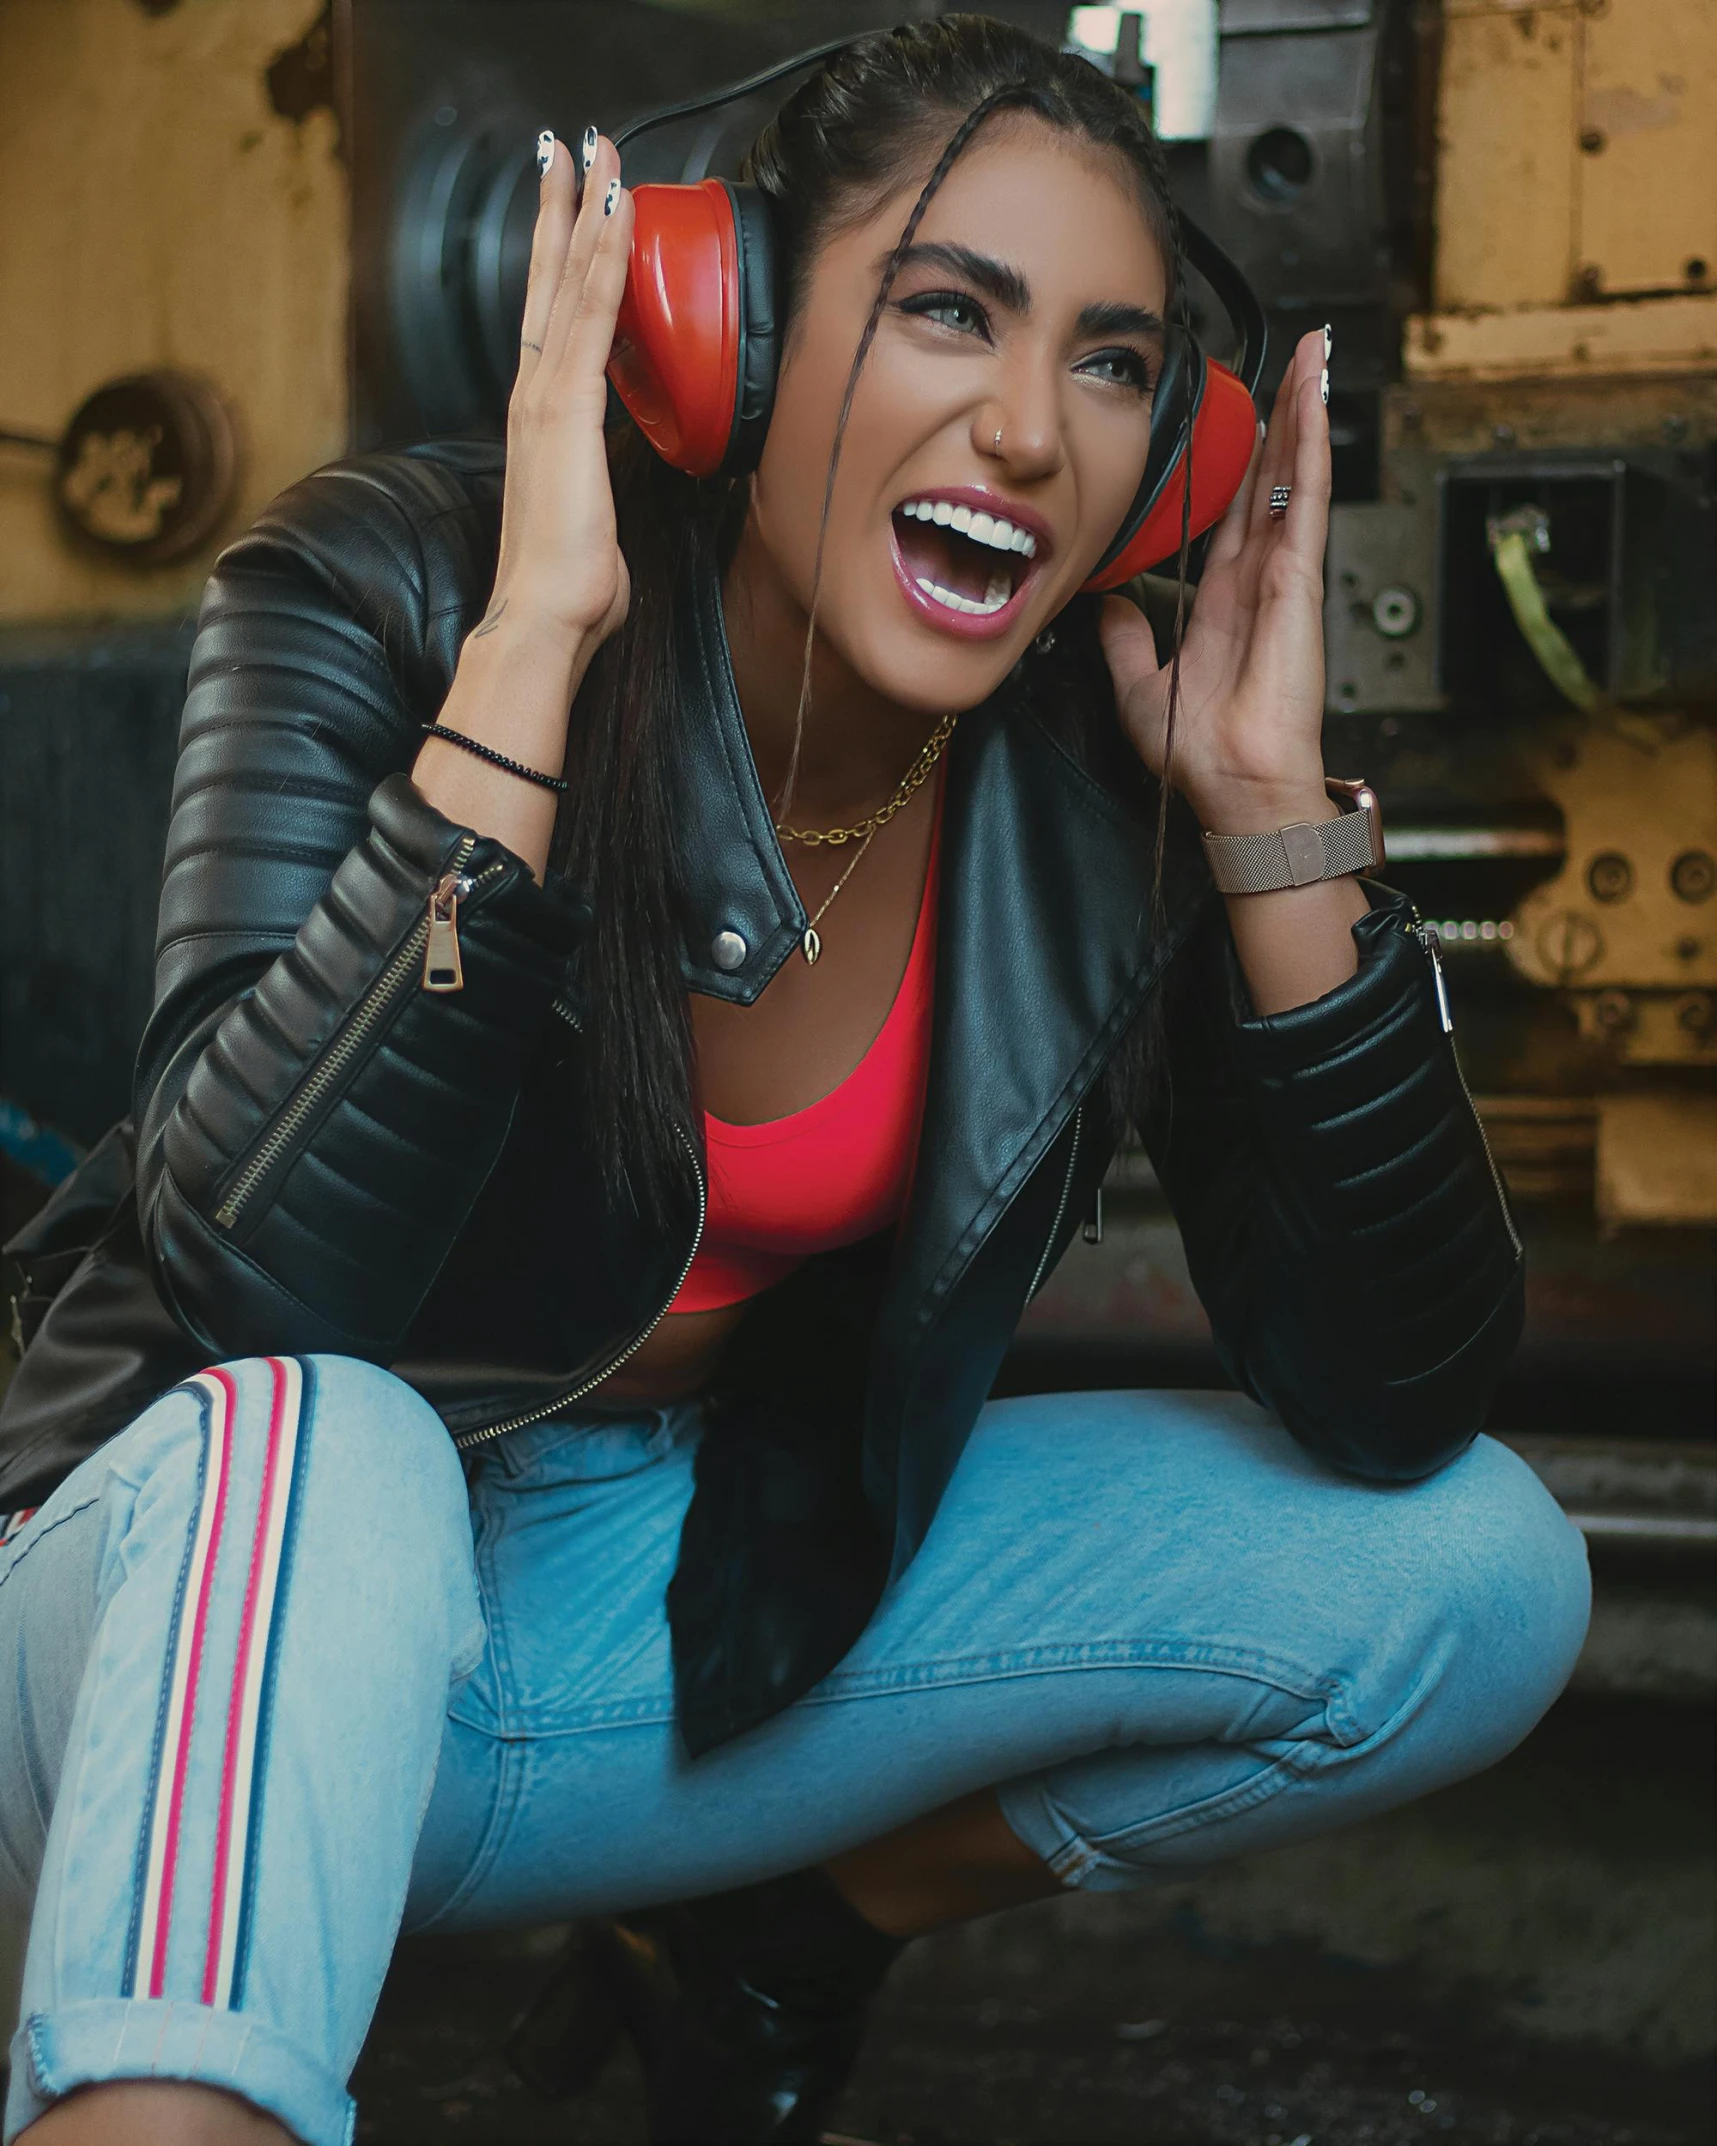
1343,1221
314,1125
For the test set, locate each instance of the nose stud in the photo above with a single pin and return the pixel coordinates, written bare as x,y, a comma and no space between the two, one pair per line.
998,439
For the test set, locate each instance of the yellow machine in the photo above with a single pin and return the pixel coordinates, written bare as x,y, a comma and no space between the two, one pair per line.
1553,439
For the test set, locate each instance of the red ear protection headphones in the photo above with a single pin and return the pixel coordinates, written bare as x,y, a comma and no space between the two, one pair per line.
696,350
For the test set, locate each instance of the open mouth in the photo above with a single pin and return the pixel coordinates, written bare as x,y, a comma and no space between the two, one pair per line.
963,561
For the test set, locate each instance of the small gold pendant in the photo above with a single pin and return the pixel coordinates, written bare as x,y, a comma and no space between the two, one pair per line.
811,946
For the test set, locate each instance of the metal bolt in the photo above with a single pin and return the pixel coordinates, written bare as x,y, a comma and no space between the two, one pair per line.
1689,949
1592,140
1503,435
1697,1014
1614,1012
1395,612
1693,875
1610,876
1569,942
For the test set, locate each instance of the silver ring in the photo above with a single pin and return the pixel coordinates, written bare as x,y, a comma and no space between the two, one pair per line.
1280,494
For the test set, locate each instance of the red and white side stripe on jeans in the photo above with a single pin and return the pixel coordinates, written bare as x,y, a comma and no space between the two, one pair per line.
224,1529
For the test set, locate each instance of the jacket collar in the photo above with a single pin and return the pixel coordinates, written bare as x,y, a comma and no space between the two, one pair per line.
1045,945
743,912
1048,946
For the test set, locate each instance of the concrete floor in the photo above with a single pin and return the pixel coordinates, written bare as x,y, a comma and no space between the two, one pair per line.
1524,1960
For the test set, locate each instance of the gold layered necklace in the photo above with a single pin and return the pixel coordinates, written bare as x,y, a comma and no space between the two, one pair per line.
865,831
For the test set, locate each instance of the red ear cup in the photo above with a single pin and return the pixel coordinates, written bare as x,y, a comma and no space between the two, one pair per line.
675,362
1224,433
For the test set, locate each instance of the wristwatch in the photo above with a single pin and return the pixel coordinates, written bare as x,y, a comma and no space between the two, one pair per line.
1308,851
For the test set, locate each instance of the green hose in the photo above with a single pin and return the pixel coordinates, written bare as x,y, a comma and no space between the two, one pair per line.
1513,539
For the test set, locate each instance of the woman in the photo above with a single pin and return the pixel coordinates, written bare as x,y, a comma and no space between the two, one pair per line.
706,1251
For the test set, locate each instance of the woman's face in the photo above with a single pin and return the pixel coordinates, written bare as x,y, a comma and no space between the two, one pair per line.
1031,307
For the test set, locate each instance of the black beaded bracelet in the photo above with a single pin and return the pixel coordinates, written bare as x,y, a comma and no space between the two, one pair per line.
495,759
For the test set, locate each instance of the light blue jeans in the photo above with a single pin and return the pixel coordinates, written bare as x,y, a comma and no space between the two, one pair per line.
281,1683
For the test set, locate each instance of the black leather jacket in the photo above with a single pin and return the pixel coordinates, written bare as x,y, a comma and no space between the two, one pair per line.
329,1157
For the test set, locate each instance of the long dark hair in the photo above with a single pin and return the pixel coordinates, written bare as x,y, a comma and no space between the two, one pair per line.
837,148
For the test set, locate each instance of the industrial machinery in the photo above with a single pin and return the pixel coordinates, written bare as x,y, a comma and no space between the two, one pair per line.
1507,211
1509,216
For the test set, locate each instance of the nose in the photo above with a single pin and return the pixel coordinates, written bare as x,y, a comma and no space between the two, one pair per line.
1020,425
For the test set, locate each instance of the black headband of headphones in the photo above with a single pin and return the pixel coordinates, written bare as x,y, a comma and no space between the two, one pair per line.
1225,277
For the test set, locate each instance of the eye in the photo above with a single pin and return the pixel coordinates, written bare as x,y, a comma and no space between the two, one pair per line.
958,310
1122,365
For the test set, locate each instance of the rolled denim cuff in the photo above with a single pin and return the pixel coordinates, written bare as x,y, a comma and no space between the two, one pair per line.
106,2039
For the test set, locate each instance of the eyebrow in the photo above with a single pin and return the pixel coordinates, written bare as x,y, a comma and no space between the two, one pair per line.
1113,316
998,280
994,278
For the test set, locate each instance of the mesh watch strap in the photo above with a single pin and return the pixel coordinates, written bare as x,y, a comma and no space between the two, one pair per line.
1297,856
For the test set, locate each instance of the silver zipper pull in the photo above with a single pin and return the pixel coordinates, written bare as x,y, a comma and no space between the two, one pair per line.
1427,937
442,968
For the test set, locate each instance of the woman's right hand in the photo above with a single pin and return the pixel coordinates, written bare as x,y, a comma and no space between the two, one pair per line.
560,568
560,586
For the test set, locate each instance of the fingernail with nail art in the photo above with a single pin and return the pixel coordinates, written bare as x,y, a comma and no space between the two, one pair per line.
1323,386
1329,341
545,152
587,148
610,198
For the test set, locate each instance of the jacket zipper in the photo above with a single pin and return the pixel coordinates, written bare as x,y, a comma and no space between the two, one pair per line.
1061,1204
429,935
1427,937
465,1440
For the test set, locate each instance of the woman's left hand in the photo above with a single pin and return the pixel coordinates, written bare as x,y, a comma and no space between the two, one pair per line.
1248,734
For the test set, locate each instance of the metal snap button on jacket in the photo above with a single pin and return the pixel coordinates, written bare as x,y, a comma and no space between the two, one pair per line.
728,950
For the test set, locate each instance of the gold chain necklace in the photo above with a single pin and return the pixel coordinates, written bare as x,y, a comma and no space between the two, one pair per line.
864,831
916,776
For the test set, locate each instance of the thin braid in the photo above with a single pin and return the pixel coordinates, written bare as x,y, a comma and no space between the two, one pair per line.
1011,93
1182,564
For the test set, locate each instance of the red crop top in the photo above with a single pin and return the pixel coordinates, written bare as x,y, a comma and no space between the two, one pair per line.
829,1174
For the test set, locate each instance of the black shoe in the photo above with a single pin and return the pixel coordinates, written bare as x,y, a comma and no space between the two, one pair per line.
748,2008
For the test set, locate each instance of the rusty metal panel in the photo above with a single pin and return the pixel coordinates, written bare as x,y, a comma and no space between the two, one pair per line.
1640,335
1380,629
1657,1158
1627,909
1646,179
1505,182
1466,417
174,195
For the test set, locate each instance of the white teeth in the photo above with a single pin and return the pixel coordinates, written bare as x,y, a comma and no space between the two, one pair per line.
995,530
995,596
